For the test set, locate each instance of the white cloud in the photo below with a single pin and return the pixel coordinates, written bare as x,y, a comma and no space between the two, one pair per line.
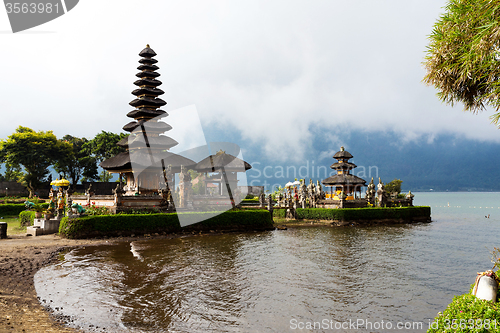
270,70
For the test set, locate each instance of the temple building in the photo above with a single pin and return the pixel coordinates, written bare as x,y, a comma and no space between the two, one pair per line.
146,164
223,169
343,181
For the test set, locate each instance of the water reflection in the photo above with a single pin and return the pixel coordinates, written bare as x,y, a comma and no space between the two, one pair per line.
259,282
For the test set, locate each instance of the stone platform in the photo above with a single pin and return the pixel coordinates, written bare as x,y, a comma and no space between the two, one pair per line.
43,227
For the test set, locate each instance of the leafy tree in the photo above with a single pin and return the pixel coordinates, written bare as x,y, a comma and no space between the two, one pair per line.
103,146
35,152
77,162
394,186
463,56
199,186
12,173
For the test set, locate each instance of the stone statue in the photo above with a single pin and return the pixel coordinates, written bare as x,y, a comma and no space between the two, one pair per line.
319,191
52,201
370,193
381,195
409,197
262,199
184,187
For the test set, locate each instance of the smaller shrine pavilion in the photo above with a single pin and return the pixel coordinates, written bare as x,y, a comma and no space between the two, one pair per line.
223,168
343,181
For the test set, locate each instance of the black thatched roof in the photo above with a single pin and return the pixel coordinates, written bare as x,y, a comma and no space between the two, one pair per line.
126,161
149,74
342,154
343,179
214,163
343,165
148,91
147,102
148,67
147,52
138,141
142,112
147,82
148,61
149,126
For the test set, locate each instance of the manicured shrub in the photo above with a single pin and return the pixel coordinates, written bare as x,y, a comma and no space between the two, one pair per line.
14,209
353,214
26,218
126,224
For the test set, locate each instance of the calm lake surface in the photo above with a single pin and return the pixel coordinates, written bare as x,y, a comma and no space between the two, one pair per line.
281,281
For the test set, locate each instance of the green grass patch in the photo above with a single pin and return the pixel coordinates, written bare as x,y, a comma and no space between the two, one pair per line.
467,313
13,225
127,224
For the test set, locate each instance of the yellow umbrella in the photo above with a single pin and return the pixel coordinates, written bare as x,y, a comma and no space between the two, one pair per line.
62,182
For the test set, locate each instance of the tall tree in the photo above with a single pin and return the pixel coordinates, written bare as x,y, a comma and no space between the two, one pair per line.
77,163
35,152
463,57
103,146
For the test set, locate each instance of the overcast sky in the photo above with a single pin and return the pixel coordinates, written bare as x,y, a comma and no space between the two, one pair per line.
274,71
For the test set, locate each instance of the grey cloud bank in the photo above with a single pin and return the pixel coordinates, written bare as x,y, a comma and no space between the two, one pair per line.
271,71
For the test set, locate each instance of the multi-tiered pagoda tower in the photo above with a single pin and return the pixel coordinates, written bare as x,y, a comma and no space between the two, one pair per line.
146,157
343,180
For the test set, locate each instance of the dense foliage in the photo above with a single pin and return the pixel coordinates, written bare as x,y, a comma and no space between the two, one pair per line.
467,313
103,146
26,217
393,187
34,152
77,163
463,56
127,224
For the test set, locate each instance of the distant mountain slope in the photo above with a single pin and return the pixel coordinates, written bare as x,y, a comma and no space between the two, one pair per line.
445,163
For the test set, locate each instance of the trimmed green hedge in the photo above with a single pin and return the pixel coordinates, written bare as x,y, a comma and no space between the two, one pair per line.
126,224
354,214
26,217
374,213
14,209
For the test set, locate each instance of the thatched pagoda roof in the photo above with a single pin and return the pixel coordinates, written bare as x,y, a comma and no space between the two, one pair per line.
138,141
148,102
147,52
214,163
343,165
148,113
342,154
124,161
343,179
147,91
149,126
147,82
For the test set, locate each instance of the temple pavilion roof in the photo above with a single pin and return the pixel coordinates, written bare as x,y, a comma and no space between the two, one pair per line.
343,179
123,161
214,163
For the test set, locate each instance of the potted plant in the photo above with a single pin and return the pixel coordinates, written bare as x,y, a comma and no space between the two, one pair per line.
36,206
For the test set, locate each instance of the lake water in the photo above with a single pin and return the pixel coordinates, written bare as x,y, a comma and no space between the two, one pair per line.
319,279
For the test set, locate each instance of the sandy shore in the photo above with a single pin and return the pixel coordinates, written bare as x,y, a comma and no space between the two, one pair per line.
20,258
